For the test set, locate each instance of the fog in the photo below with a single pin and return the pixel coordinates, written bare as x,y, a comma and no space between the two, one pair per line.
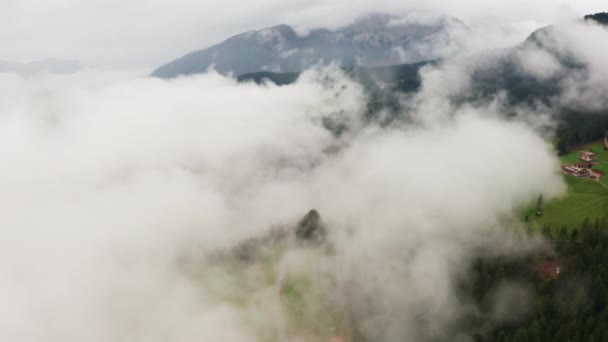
127,199
110,182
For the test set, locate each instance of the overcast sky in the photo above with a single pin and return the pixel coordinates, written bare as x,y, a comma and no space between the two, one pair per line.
146,33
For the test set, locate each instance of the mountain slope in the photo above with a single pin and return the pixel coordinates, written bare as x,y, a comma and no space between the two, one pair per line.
373,40
402,77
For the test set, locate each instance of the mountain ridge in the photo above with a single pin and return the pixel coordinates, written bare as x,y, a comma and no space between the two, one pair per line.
376,39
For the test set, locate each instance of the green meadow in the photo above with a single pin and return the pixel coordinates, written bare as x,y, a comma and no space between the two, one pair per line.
585,198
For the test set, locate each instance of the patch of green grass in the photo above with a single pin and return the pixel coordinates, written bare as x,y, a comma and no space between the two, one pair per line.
570,158
585,198
296,293
599,150
306,311
604,168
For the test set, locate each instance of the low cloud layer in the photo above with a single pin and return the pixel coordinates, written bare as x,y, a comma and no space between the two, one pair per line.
108,181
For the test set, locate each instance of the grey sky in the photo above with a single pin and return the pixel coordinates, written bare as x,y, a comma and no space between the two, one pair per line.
146,33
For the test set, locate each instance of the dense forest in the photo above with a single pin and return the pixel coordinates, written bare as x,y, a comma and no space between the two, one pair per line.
568,289
580,128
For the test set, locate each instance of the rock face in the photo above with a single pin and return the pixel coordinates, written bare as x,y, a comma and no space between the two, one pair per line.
373,40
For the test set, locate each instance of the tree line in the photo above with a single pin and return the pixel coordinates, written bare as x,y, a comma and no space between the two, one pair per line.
580,128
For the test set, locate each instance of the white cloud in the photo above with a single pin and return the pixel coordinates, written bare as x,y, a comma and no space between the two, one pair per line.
108,183
539,63
148,33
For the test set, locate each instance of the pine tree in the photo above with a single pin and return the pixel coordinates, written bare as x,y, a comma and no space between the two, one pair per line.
574,235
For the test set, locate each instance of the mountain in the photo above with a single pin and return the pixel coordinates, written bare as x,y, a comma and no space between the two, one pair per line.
523,84
372,40
493,73
383,86
51,66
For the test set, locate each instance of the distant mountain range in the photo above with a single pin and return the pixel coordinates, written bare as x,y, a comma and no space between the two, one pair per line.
492,73
495,72
51,66
372,40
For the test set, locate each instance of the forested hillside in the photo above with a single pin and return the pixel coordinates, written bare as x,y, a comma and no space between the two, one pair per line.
568,288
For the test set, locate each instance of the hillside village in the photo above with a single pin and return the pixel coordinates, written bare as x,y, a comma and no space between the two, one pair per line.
588,163
584,168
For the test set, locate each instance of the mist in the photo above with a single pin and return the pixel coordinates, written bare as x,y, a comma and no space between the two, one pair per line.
119,189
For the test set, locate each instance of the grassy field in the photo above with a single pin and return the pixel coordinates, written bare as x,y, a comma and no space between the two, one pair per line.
598,148
585,198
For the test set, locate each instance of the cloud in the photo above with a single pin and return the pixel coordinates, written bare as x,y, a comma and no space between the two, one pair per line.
139,34
424,203
115,185
559,68
538,63
585,88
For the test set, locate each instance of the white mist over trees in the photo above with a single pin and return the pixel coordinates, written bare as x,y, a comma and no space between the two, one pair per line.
108,184
126,199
